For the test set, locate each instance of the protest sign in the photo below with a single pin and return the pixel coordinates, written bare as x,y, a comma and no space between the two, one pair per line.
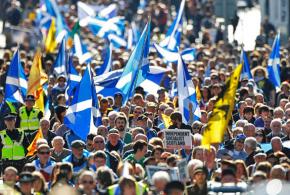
177,138
182,169
172,172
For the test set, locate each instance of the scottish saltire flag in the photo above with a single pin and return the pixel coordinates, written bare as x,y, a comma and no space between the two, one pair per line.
59,65
133,36
107,58
188,54
136,66
84,10
246,71
173,35
73,79
274,63
103,27
187,100
117,41
105,83
83,115
80,50
109,12
173,90
172,56
16,81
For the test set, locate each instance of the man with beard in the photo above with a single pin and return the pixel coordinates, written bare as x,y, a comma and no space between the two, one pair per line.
120,125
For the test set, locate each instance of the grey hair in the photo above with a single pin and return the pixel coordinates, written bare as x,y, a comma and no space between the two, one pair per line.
57,138
160,175
251,142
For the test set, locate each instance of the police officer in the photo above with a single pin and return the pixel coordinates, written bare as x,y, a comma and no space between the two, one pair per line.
5,108
13,144
29,116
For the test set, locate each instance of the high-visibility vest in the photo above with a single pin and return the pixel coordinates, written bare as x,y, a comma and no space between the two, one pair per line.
12,150
115,189
30,123
11,107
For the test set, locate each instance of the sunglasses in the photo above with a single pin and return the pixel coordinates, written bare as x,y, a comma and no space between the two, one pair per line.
42,153
88,182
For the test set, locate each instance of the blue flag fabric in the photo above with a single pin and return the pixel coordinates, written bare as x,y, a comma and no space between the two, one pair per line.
173,35
59,65
105,84
274,63
137,66
53,9
80,50
187,100
107,56
16,81
246,71
73,79
83,115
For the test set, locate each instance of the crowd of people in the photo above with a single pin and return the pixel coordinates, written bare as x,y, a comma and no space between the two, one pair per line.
115,159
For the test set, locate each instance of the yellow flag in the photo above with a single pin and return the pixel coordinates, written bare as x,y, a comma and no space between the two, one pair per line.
166,120
37,78
222,111
50,42
33,147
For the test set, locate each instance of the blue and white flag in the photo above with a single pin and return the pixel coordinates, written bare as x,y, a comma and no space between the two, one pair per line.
83,115
173,91
133,36
136,67
84,11
187,100
246,71
109,12
172,56
16,81
73,79
107,58
102,27
59,65
274,63
188,54
105,83
117,41
173,35
80,50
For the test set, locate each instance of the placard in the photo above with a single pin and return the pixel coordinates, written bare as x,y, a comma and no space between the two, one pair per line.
172,172
177,138
182,169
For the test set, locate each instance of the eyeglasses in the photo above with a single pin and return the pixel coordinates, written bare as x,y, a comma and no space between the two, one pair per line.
88,182
99,142
42,153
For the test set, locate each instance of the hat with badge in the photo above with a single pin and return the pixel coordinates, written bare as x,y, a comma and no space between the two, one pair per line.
10,116
30,98
25,177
